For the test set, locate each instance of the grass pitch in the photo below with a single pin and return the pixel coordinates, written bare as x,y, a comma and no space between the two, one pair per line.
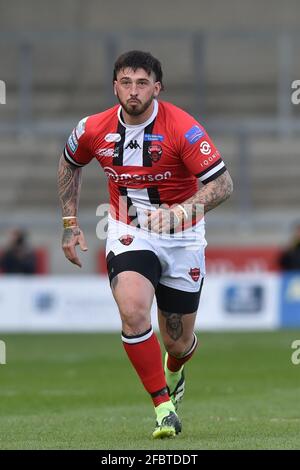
80,392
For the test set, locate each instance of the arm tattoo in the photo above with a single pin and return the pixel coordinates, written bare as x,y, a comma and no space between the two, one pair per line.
212,194
69,184
173,324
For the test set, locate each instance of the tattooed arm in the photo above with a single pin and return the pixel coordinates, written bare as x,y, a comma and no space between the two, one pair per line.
213,193
206,198
69,184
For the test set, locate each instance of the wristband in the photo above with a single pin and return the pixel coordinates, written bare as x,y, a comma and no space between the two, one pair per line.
69,222
183,210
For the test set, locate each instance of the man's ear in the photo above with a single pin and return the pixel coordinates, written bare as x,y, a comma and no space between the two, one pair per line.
115,88
157,89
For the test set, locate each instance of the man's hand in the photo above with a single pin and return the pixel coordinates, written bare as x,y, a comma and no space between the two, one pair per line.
165,220
73,236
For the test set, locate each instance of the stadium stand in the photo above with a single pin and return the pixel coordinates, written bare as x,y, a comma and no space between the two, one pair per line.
235,76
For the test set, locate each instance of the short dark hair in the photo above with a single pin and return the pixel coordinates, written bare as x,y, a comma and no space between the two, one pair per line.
139,60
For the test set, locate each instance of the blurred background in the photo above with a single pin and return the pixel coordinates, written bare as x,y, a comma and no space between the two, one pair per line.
230,64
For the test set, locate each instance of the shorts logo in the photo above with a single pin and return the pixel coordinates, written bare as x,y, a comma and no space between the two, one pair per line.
155,152
126,239
194,273
194,134
112,138
205,148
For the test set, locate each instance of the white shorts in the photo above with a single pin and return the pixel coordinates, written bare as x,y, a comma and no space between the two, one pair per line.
182,262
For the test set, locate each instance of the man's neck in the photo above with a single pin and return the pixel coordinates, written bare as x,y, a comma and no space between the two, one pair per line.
140,119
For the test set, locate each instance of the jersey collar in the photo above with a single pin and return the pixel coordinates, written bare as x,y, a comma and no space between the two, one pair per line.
143,124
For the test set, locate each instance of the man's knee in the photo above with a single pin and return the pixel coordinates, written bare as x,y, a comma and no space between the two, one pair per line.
135,316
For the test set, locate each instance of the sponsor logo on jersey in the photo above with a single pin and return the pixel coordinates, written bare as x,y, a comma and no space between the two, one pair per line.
74,137
108,152
127,178
112,138
194,134
126,239
133,145
151,137
194,273
205,148
72,142
209,160
155,152
80,128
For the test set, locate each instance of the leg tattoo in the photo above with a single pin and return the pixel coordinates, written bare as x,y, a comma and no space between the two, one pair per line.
174,324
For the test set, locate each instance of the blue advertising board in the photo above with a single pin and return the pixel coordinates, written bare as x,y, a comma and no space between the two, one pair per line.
290,300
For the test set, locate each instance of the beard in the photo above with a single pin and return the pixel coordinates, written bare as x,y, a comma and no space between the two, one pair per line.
137,108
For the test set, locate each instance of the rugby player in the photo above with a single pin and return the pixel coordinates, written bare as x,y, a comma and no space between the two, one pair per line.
153,154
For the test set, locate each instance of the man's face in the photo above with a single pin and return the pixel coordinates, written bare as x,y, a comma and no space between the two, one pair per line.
136,90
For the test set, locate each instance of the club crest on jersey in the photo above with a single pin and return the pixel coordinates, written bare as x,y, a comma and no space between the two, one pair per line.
112,138
155,152
126,239
194,273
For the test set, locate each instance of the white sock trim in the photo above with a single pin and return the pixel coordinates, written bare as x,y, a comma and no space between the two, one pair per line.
193,347
137,339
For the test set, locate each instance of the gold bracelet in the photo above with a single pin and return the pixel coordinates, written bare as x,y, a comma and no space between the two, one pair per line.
69,222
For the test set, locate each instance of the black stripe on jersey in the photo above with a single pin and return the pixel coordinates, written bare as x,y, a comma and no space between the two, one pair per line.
119,146
124,194
210,168
215,175
146,157
154,196
70,159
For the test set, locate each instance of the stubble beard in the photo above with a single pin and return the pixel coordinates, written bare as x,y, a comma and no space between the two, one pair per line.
135,110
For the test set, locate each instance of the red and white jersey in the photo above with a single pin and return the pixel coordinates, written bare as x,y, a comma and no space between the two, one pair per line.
157,162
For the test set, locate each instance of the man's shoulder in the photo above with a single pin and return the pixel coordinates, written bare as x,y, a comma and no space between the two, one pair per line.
96,123
98,120
179,116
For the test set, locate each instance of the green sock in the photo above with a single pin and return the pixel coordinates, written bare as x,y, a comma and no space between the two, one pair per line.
163,410
172,378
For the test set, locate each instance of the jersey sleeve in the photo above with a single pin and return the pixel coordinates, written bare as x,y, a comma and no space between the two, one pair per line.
198,152
77,149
